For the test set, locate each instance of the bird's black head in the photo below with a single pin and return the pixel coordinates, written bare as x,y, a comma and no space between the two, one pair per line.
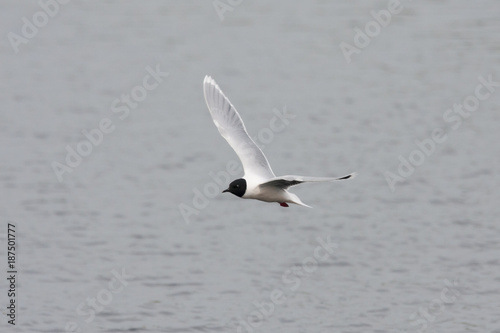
237,187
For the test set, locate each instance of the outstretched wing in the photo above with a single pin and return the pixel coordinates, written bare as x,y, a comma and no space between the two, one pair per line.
231,127
285,182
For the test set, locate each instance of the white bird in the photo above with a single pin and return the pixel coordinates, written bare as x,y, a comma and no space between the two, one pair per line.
259,181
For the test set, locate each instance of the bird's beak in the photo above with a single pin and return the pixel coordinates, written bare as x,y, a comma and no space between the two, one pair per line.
226,190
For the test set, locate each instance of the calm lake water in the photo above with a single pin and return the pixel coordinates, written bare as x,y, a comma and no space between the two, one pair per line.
133,238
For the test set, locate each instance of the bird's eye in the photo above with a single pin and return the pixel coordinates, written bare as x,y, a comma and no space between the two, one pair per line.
237,186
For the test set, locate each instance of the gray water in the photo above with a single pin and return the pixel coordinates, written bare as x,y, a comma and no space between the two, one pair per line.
420,257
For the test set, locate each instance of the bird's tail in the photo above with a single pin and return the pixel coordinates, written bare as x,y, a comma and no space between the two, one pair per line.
296,200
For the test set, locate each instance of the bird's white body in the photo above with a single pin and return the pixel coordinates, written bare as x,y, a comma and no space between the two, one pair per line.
259,181
273,194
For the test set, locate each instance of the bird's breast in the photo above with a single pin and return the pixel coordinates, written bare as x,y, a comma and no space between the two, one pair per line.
266,193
